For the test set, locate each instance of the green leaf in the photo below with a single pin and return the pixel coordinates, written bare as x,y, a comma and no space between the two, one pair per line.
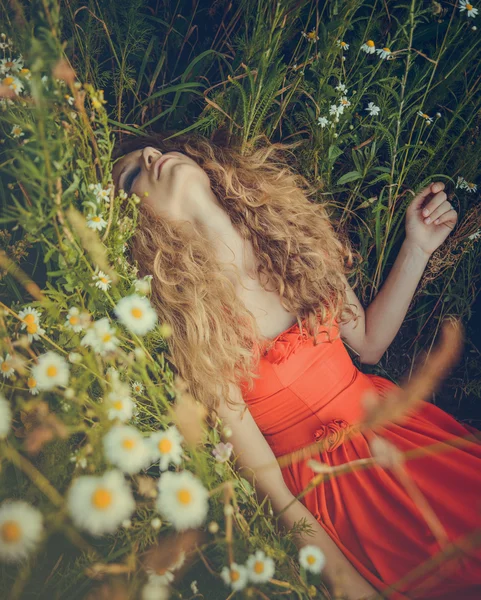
348,177
334,152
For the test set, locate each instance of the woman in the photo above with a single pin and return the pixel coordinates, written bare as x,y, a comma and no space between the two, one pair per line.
251,277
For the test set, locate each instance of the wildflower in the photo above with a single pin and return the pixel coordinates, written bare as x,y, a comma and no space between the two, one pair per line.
260,568
75,357
384,53
101,194
6,366
475,235
50,371
17,131
235,575
182,499
311,36
461,183
142,286
21,527
99,504
31,322
137,388
119,403
336,111
341,87
373,109
312,558
156,523
102,280
101,337
193,586
222,451
124,447
322,121
213,527
342,45
471,11
166,447
426,117
25,73
13,83
344,101
5,416
369,47
73,320
14,65
471,187
96,222
136,313
70,99
474,28
32,386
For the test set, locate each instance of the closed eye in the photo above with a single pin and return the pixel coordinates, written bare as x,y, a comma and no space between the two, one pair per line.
129,180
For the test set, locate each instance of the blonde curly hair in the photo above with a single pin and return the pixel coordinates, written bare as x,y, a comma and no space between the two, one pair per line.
215,339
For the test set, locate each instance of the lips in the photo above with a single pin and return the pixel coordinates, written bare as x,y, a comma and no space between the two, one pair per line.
160,162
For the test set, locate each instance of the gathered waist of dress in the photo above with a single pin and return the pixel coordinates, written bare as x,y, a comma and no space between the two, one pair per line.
330,425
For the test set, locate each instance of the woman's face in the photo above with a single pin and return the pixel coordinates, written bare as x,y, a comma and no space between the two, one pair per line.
175,184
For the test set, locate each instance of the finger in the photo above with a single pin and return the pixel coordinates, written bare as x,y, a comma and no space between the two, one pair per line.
448,218
433,204
443,207
433,188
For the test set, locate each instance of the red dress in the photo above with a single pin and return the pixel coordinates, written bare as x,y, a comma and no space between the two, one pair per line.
306,393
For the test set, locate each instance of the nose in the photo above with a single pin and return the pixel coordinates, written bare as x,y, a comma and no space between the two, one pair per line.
150,155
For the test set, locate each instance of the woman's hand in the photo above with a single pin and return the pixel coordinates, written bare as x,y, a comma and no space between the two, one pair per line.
430,218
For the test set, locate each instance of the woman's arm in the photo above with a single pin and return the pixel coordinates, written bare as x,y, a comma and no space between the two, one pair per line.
257,463
430,218
379,323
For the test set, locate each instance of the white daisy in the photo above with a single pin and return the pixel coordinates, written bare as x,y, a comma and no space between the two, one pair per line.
235,575
21,527
322,121
426,117
344,101
50,371
17,131
471,187
102,280
73,320
31,322
222,451
137,388
6,366
143,286
136,313
464,5
166,446
336,111
461,182
342,45
369,47
125,447
32,386
101,337
5,416
99,504
341,87
182,499
373,109
312,558
119,403
153,591
384,53
476,235
260,568
14,83
96,222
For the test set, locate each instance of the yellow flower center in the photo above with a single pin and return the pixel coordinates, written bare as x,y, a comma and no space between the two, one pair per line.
32,328
5,366
107,337
9,64
10,531
118,404
184,496
311,559
165,445
311,35
259,567
102,498
28,319
8,80
386,50
128,443
234,575
52,371
469,6
31,382
96,219
136,313
343,44
425,116
104,280
73,320
17,131
370,43
24,71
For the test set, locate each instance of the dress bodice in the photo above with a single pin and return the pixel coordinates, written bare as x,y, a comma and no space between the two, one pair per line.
306,392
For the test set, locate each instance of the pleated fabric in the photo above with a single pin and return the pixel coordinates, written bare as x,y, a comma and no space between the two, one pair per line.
308,393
